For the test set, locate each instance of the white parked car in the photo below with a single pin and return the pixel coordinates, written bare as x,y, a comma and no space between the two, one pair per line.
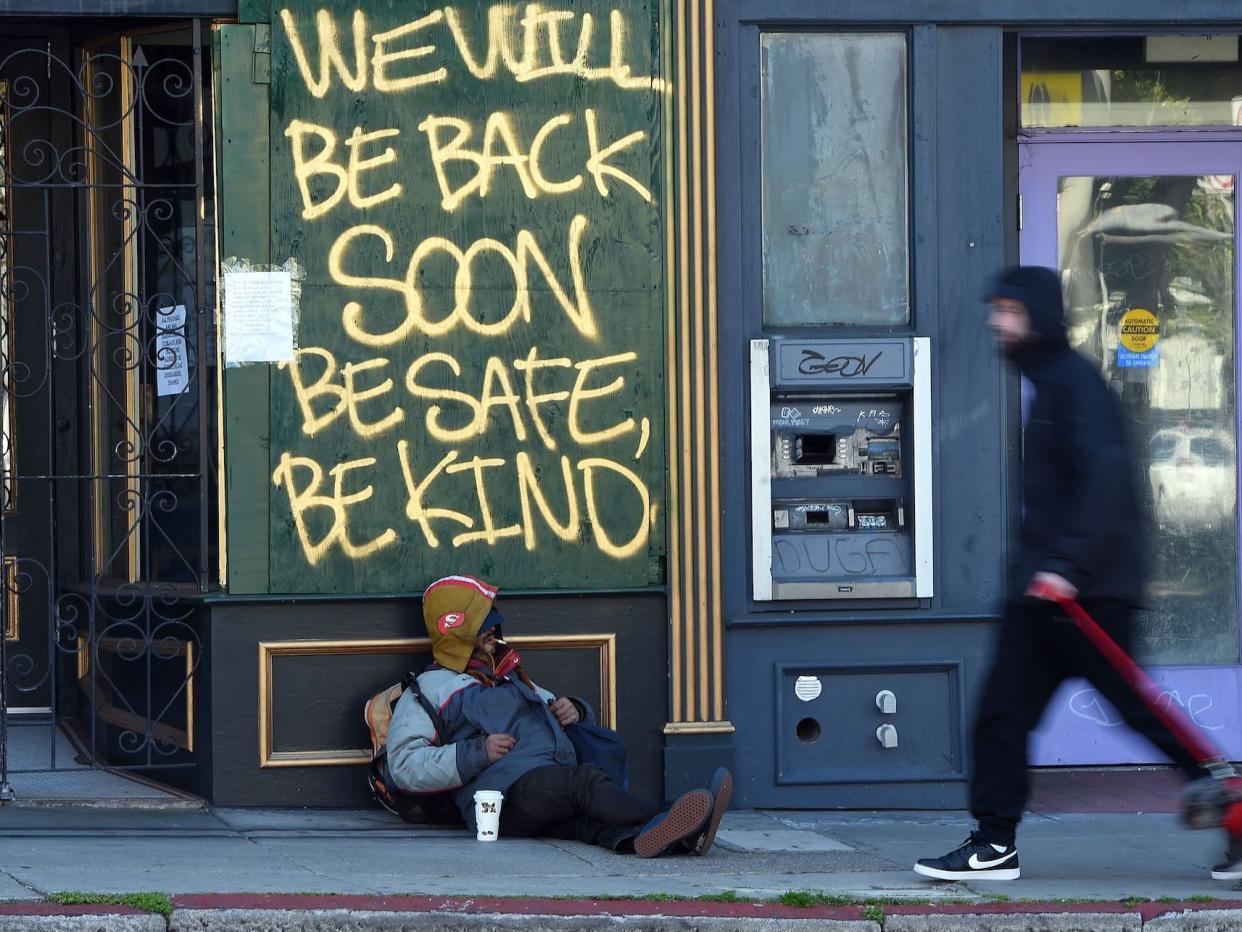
1193,478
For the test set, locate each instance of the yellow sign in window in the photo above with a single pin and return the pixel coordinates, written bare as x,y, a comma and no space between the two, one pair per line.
1052,98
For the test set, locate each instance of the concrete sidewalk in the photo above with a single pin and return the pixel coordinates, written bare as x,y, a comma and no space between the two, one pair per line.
1119,871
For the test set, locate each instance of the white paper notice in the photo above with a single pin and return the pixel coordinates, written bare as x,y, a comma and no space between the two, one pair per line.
172,370
258,317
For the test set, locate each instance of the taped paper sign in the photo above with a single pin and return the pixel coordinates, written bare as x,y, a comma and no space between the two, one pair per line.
258,317
172,370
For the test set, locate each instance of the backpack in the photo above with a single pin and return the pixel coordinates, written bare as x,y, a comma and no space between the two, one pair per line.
417,808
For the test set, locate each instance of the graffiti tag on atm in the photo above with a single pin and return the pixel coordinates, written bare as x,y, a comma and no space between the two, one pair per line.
877,418
839,555
846,367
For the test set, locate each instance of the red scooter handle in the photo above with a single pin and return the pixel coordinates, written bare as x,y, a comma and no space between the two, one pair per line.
1190,737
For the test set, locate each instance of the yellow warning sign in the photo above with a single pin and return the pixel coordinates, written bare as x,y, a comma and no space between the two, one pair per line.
1052,98
1139,330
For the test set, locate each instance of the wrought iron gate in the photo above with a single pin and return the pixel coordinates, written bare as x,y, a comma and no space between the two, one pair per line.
107,441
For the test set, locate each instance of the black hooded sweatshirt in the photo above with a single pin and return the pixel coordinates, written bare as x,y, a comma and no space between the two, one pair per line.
1082,515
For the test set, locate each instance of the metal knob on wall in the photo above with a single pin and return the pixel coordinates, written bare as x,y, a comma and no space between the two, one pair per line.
886,701
886,734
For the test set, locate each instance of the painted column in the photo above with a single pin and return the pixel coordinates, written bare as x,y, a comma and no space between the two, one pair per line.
697,701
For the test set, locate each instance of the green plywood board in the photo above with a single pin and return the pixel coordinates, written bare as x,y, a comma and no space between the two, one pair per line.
359,528
253,11
244,214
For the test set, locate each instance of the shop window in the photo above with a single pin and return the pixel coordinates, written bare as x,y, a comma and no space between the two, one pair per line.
1147,265
834,179
1072,81
150,445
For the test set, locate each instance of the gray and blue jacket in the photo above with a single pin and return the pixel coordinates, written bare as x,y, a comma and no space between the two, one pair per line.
420,761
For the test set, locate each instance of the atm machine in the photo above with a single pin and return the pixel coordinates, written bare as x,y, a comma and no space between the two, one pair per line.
841,473
841,468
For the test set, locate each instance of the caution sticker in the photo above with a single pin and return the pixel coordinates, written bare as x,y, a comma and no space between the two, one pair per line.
1139,331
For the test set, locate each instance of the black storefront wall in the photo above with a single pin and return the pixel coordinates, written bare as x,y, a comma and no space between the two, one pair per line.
963,225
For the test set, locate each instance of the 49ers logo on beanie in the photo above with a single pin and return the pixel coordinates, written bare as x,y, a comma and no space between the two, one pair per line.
450,620
454,608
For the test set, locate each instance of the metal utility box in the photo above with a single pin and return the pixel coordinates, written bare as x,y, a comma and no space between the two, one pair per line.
860,722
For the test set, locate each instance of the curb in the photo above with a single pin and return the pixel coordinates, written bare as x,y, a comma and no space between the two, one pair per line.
349,913
219,920
56,918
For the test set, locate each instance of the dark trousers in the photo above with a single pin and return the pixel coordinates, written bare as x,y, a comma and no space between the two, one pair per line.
576,802
1038,648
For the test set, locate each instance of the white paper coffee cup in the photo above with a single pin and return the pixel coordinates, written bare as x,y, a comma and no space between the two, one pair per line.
487,814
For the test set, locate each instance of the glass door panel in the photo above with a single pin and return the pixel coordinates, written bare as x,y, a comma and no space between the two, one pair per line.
1147,266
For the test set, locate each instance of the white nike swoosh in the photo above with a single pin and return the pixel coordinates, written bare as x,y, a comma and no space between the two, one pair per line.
976,864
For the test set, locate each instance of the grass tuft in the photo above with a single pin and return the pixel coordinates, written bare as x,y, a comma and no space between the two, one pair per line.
726,896
147,902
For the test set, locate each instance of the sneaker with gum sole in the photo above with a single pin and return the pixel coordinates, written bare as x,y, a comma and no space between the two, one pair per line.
682,822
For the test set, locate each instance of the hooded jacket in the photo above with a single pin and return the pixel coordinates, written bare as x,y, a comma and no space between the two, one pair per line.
419,760
1082,515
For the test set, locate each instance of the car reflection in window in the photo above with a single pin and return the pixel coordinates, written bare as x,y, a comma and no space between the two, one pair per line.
1192,478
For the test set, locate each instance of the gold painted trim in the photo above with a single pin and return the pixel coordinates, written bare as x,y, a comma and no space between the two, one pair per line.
685,699
222,498
133,374
100,491
673,386
183,738
699,728
700,427
331,757
13,618
713,358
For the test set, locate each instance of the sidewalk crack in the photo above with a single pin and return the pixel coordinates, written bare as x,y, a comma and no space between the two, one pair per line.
42,894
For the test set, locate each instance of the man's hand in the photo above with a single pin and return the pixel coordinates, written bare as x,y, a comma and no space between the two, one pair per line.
565,711
1051,587
497,746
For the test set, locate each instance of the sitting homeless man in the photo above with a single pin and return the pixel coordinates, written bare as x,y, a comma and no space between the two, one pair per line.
502,732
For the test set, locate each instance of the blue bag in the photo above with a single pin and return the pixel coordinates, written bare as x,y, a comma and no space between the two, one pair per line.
603,747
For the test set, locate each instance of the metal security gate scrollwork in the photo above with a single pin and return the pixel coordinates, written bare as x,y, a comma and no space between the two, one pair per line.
107,454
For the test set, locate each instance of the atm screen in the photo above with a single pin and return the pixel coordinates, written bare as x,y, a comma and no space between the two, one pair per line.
816,449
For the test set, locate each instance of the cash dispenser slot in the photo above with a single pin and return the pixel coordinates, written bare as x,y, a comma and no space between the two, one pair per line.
840,463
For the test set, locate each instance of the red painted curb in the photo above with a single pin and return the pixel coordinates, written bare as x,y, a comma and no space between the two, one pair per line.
35,908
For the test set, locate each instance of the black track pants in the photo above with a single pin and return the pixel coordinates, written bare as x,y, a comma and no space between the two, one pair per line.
576,802
1037,649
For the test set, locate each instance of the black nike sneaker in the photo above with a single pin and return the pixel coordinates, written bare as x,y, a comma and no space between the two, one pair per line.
1231,867
976,859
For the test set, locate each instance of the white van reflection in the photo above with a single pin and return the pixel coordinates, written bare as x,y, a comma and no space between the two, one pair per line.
1192,478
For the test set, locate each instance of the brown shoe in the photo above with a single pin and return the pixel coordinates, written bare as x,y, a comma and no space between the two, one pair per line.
684,820
721,789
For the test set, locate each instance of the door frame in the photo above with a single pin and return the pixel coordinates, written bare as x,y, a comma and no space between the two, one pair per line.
1077,729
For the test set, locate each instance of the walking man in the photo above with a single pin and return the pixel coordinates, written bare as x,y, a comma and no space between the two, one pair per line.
1082,537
